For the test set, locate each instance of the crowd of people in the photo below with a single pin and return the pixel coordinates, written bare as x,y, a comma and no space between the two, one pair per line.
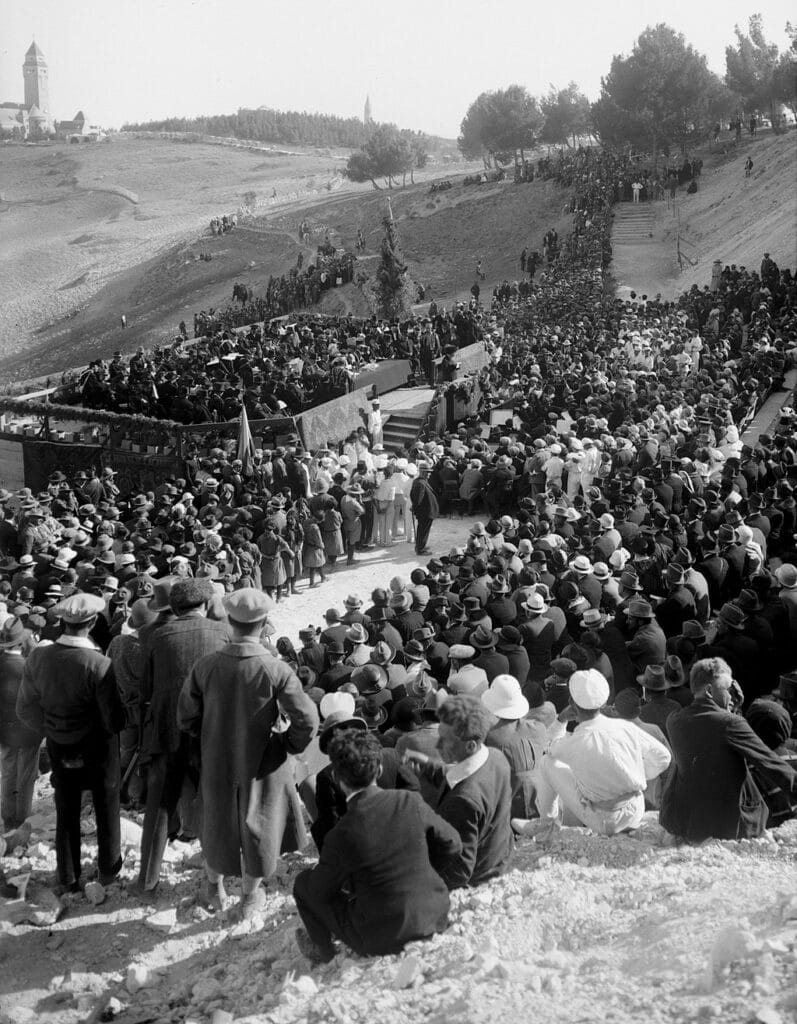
618,633
283,365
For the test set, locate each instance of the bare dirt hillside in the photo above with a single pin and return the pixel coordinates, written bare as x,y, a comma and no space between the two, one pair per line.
74,218
165,281
732,218
589,929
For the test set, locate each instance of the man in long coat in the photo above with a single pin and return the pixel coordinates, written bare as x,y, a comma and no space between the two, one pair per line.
424,507
170,652
232,701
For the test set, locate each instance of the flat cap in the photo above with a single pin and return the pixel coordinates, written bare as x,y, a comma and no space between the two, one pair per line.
79,608
247,605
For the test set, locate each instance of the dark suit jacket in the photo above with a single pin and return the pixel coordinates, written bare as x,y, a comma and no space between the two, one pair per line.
710,747
387,849
479,808
331,802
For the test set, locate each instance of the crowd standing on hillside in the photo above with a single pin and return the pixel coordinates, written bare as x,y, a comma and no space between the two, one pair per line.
618,633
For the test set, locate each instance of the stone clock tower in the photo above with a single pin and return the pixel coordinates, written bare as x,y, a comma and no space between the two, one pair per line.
37,84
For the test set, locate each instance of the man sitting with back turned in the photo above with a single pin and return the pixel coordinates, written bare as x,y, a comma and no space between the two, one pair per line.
596,775
475,793
376,885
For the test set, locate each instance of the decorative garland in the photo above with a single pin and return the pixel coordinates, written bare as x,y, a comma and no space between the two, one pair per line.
115,420
464,390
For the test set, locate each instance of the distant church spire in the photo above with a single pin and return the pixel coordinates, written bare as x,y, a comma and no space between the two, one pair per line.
367,118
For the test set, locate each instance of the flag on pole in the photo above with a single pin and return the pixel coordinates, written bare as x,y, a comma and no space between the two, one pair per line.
246,444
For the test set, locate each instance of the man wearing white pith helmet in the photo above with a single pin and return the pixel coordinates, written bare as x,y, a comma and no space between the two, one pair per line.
596,775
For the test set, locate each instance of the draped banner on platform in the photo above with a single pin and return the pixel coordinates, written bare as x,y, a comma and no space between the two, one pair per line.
137,471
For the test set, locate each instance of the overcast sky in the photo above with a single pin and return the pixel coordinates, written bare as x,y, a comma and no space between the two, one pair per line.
421,61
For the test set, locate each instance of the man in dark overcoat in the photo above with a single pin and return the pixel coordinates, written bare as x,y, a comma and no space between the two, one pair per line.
232,701
165,752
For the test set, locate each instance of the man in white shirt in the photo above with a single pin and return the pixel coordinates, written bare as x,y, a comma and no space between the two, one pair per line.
596,776
464,676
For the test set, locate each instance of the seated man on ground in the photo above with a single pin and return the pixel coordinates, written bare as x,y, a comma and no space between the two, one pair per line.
596,775
475,791
710,791
376,885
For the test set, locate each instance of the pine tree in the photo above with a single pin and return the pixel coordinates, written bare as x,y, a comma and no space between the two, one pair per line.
393,287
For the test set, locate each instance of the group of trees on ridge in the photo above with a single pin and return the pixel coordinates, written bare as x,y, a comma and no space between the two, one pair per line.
661,95
286,127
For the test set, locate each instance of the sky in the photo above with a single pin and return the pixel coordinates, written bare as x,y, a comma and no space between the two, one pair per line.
421,61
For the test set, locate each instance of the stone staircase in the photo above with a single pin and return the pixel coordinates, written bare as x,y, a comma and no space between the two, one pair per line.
402,429
633,223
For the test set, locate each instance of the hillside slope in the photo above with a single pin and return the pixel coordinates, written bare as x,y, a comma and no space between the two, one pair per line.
732,219
443,236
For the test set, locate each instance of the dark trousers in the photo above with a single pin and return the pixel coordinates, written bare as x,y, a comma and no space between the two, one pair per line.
368,523
166,774
100,776
20,769
422,527
324,919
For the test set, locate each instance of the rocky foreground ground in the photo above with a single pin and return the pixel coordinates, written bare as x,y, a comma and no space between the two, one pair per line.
587,929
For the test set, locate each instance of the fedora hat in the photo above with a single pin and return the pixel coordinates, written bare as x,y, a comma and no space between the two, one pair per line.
652,678
357,633
674,574
482,638
693,630
12,632
600,571
373,712
592,617
159,602
499,585
749,601
630,581
535,603
505,699
382,653
414,650
785,574
732,615
401,602
674,674
370,678
353,601
640,609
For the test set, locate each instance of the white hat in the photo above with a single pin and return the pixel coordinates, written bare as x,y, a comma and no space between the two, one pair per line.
607,521
505,699
589,689
535,603
337,702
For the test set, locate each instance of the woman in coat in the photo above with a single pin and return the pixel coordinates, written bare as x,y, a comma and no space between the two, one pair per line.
272,565
331,535
313,553
292,555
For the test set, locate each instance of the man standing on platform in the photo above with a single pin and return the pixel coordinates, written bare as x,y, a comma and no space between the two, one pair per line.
425,508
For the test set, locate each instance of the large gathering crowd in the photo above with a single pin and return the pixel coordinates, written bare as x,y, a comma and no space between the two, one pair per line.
618,633
282,365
